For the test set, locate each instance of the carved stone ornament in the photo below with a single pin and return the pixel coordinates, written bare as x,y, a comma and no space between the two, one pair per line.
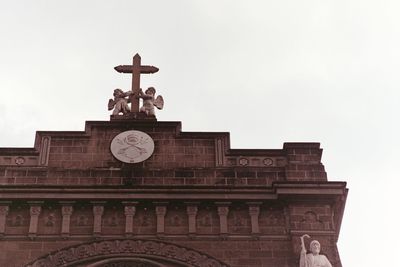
313,259
243,161
268,162
19,160
132,146
152,250
121,99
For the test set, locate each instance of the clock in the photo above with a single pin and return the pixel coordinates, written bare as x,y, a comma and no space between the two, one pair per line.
132,146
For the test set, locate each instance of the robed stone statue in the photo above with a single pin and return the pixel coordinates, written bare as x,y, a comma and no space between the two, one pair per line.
313,259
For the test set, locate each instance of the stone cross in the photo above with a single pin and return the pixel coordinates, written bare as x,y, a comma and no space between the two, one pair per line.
136,69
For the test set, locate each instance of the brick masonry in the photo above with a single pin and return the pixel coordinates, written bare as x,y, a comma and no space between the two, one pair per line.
239,207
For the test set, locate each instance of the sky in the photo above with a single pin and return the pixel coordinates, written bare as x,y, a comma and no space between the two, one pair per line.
268,72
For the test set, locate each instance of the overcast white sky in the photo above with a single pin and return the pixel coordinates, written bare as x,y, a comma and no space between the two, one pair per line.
269,72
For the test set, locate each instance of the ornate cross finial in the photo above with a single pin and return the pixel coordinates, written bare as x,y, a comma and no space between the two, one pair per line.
136,69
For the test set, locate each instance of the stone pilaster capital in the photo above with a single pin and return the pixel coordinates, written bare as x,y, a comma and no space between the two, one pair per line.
4,207
161,210
191,210
130,210
35,210
254,210
98,210
98,207
4,210
223,210
67,210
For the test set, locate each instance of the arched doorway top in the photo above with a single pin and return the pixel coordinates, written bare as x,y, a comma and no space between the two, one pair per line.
150,249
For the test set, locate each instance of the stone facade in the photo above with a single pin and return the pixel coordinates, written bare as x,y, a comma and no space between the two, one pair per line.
195,202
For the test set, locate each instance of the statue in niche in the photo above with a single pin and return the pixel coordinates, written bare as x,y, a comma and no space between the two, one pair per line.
149,102
313,259
120,102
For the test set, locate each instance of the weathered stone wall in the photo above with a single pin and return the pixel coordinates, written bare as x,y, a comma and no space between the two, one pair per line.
84,158
271,239
244,207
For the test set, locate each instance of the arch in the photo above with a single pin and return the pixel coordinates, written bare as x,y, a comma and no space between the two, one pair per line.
125,262
152,252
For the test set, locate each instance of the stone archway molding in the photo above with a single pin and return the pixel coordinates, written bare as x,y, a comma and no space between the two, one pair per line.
136,248
127,261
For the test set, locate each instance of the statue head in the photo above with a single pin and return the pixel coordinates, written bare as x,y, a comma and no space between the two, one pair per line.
118,92
315,247
150,91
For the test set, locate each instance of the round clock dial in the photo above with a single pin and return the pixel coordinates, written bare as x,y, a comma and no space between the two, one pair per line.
132,146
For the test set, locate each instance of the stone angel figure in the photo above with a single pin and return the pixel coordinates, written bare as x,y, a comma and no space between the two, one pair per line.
313,259
149,102
120,102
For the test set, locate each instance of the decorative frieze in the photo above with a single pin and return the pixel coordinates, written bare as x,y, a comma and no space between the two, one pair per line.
256,161
182,256
19,161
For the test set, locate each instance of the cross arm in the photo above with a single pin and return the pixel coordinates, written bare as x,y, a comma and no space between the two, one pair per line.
143,69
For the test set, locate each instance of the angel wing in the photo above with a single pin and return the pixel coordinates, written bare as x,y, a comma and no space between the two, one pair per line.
159,102
111,104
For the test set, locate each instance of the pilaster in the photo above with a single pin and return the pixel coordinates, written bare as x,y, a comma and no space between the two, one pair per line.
35,210
98,210
4,209
129,211
191,210
223,210
66,212
161,211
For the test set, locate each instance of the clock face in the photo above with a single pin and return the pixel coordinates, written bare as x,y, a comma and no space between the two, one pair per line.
132,146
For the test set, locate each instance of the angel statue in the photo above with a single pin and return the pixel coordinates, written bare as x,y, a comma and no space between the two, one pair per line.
120,102
149,101
313,259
